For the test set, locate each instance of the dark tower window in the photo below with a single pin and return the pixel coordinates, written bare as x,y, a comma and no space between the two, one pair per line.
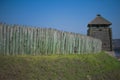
104,44
100,29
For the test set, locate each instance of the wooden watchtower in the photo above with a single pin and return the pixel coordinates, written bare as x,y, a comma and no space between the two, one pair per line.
99,28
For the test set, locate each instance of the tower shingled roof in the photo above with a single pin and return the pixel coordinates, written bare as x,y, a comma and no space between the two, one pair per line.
99,20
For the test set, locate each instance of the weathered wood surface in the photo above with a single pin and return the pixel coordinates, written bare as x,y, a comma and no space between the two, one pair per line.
19,40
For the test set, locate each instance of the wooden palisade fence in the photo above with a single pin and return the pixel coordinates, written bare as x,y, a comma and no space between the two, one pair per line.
19,40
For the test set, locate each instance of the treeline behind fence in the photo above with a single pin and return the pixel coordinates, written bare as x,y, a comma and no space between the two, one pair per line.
15,40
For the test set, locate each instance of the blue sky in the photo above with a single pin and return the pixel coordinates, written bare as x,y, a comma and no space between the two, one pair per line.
65,15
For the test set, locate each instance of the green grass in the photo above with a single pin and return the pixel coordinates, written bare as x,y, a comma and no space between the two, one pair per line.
60,67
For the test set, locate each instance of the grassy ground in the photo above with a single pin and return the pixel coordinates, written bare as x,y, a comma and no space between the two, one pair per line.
99,66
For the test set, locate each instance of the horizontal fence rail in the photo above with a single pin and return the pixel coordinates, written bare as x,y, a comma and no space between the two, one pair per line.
19,40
